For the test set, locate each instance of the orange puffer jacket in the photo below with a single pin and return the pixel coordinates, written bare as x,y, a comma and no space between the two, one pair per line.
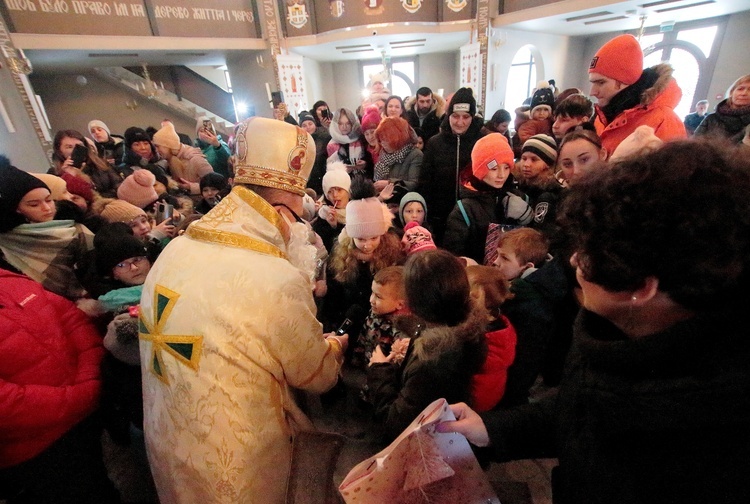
656,110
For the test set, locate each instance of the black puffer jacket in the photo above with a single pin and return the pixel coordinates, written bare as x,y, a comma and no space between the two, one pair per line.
651,420
445,155
439,363
725,122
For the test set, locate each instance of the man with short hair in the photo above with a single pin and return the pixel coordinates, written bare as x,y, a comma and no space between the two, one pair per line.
425,111
445,155
629,96
228,328
693,120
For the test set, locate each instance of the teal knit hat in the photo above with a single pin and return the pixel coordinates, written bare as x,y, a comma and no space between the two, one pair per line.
408,198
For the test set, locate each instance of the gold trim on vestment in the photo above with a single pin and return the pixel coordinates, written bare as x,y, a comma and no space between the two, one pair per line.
338,353
233,240
270,177
260,205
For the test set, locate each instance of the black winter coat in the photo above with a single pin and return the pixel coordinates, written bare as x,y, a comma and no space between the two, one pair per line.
445,155
663,418
725,122
439,363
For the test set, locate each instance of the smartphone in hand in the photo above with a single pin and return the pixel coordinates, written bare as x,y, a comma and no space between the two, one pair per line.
79,155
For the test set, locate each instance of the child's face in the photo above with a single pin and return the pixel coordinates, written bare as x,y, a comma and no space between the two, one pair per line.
209,193
338,197
367,245
370,137
563,123
414,211
141,226
497,176
132,271
508,264
502,127
532,165
541,114
420,143
385,299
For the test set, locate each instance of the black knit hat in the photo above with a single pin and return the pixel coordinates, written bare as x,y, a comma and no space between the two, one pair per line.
114,248
135,134
213,179
14,185
543,96
463,101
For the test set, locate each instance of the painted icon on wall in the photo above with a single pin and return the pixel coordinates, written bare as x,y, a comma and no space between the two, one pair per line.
411,6
337,8
297,13
456,5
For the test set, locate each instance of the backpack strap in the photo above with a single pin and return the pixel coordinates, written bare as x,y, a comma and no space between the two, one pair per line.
463,212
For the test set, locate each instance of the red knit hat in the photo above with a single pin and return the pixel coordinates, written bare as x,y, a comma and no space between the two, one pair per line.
371,119
78,186
490,151
620,59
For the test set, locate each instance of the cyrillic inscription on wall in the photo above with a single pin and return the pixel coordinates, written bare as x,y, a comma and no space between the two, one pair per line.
205,18
171,18
79,17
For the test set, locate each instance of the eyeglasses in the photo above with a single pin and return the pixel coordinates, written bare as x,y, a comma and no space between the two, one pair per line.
129,263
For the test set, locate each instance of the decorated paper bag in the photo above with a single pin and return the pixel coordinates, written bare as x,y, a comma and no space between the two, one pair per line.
421,466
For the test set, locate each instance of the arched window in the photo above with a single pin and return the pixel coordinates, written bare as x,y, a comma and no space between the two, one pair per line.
691,50
521,77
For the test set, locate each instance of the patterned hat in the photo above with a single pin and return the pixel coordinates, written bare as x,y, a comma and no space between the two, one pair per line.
417,238
620,59
543,146
273,154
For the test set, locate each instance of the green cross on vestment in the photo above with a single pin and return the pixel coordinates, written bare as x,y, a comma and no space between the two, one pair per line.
186,349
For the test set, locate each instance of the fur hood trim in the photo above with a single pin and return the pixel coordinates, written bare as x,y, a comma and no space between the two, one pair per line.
663,86
437,340
439,107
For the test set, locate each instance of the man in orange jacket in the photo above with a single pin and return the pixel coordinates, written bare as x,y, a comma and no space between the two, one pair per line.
629,96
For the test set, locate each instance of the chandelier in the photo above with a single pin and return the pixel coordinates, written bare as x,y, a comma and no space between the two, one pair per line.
148,88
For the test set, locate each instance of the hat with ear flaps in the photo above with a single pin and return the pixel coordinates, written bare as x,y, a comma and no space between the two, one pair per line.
274,154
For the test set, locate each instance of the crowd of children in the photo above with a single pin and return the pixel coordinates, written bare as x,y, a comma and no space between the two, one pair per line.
475,313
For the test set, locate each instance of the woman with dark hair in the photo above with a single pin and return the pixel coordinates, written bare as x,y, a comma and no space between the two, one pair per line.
394,107
446,349
654,403
732,115
94,169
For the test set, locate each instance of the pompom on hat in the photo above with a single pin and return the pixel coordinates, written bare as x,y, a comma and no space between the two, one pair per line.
366,218
640,142
336,176
463,101
138,188
543,146
167,136
417,238
620,59
274,154
371,119
489,152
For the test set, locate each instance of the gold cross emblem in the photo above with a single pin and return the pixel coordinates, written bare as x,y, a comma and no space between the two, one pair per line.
186,349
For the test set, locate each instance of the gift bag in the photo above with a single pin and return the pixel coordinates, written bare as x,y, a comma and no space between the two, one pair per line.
421,466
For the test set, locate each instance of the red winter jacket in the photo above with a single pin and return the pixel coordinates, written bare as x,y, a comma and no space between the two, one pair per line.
49,368
488,386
